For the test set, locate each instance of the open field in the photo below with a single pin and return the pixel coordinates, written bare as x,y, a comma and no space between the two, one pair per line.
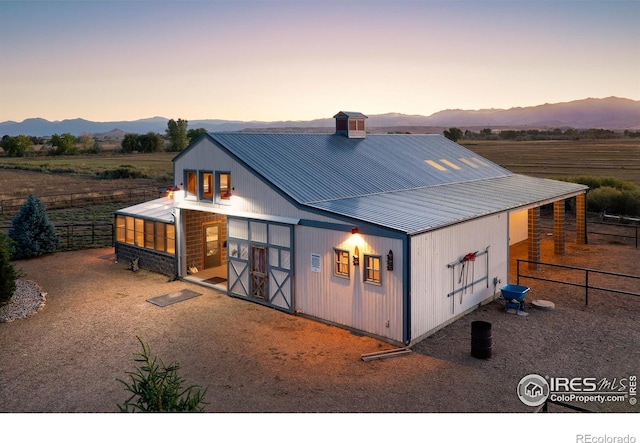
619,158
157,166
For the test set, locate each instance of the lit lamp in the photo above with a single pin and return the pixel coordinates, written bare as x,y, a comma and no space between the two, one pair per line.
356,257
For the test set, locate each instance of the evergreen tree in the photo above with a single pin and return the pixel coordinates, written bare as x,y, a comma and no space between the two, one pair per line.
31,230
8,274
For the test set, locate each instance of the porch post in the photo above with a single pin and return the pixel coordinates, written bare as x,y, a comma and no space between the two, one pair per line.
581,219
558,227
533,242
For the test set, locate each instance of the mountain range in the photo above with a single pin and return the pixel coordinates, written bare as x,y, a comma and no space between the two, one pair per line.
613,113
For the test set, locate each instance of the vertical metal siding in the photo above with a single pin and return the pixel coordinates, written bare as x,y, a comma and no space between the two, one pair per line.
349,302
432,280
251,194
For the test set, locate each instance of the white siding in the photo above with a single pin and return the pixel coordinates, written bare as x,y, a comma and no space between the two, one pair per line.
518,226
432,280
349,302
250,194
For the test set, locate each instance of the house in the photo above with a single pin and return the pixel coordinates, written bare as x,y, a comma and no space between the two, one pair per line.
391,235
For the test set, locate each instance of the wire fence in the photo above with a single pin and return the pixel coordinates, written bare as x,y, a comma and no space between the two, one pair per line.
80,199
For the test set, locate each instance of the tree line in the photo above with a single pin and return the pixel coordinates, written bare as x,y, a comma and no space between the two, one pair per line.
176,138
456,134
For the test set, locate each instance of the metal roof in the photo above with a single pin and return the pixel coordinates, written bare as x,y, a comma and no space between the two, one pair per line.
159,209
409,183
420,210
318,167
350,114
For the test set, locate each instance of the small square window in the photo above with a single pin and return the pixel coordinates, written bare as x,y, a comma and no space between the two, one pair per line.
372,269
341,263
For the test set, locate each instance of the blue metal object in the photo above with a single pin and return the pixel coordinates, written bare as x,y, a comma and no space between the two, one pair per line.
514,295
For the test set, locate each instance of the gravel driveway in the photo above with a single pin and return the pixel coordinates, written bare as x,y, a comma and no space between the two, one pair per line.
67,357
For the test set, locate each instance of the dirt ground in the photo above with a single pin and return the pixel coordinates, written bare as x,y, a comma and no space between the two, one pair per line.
67,357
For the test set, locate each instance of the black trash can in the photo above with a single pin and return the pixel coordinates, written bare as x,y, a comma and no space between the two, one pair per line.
481,339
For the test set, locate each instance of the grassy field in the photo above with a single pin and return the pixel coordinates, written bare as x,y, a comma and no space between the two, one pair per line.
619,158
156,166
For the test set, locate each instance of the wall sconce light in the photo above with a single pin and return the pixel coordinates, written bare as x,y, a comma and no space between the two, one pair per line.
354,230
356,257
390,260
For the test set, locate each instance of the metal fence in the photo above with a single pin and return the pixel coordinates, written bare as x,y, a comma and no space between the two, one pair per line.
82,235
86,235
586,272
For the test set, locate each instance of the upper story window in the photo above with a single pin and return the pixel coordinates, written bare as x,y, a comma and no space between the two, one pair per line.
191,180
224,186
206,185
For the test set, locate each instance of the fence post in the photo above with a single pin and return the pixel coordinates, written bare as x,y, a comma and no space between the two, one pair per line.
586,288
517,271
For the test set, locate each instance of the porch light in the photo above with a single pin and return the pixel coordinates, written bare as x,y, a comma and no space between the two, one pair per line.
356,256
354,230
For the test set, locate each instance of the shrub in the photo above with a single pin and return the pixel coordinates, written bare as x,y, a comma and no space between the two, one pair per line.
124,171
8,274
31,230
155,387
609,194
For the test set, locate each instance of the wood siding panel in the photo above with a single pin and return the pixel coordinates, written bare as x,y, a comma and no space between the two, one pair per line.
432,280
349,302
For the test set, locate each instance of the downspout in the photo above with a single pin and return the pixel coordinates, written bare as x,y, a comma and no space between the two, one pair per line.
406,292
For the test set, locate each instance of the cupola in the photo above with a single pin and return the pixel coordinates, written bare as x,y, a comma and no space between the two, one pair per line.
351,124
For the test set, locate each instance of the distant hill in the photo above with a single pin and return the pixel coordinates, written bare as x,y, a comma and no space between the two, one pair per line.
612,113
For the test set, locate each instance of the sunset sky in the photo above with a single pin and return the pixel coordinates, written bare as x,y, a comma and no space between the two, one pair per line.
298,60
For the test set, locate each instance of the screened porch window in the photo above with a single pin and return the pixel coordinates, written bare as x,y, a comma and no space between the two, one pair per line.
158,236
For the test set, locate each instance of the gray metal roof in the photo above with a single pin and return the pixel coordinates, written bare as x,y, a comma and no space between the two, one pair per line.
318,167
350,114
409,183
159,209
419,210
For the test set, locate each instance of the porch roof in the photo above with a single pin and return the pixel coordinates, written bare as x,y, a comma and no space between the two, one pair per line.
159,209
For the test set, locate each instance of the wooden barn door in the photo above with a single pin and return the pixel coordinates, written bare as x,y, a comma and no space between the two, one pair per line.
259,276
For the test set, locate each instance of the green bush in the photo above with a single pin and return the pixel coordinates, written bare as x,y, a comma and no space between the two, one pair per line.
124,171
8,274
155,387
609,194
31,230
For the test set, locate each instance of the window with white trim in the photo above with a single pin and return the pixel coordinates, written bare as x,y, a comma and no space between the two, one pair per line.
341,263
372,269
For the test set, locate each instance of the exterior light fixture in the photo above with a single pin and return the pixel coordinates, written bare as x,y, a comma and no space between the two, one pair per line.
354,230
356,257
227,194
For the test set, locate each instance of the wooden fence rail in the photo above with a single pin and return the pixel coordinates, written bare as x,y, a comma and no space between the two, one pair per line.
77,199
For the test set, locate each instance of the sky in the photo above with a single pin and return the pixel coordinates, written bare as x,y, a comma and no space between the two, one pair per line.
273,60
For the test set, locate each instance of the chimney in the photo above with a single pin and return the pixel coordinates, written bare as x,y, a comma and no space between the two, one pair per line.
351,124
